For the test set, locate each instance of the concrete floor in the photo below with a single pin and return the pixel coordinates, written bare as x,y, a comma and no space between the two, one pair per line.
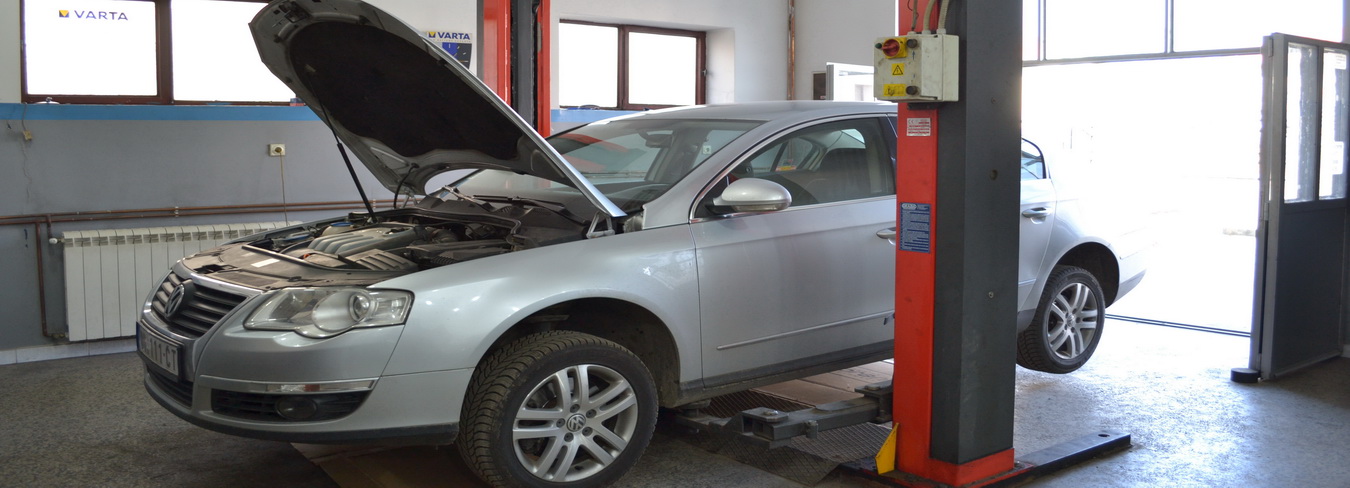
88,422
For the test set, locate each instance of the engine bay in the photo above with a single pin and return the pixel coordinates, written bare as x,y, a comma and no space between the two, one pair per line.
430,234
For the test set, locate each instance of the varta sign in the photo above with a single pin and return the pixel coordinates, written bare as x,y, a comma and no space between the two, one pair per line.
92,15
458,36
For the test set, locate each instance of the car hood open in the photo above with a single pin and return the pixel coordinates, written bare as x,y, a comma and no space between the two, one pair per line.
406,108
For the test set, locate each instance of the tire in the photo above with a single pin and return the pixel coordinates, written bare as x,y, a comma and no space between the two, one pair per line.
565,439
1067,325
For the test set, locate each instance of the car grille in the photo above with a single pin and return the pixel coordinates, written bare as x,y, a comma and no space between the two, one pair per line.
257,406
180,391
200,310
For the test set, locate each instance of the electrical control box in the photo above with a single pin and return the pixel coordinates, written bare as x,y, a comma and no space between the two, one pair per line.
916,68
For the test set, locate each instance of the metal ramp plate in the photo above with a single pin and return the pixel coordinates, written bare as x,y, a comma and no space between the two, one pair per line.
803,460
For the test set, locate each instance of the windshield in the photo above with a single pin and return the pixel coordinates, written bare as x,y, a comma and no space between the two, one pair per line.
630,161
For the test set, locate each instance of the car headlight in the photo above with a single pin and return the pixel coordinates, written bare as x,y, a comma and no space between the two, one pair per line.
326,312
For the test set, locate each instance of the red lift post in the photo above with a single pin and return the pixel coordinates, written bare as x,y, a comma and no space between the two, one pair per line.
915,297
521,66
955,292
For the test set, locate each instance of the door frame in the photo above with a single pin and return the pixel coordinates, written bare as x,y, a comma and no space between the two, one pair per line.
1275,94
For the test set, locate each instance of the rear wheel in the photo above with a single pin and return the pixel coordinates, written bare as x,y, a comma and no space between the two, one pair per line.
557,409
1067,325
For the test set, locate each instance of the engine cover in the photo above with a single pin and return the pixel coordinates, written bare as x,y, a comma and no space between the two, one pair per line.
383,236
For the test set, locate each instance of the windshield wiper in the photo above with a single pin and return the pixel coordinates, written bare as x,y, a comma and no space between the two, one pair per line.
469,198
554,207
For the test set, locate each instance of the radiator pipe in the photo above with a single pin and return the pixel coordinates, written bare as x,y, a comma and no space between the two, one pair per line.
98,218
792,50
151,213
172,211
38,241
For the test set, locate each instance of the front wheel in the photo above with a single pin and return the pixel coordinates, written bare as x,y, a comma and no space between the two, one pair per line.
557,409
1067,325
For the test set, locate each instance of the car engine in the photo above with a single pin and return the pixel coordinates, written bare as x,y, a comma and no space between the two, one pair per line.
431,234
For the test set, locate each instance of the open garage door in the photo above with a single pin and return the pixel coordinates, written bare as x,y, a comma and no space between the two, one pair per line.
1300,268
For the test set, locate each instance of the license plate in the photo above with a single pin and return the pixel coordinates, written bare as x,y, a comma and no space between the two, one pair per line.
160,352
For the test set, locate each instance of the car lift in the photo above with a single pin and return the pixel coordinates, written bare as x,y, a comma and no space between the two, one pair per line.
956,432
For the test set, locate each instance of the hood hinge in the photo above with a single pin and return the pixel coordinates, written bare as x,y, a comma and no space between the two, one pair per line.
599,230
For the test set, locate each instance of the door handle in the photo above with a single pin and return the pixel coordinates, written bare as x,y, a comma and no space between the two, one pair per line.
1036,213
888,234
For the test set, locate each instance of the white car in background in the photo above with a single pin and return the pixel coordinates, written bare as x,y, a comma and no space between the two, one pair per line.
538,311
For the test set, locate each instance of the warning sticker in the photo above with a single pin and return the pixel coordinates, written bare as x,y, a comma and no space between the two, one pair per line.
919,127
915,226
898,69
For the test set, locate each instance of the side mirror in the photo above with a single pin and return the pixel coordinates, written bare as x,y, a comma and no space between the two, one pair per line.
748,195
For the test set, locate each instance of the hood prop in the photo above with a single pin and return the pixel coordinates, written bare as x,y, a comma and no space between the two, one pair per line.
370,211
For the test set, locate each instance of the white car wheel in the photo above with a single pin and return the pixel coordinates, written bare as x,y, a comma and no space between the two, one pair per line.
557,409
1067,325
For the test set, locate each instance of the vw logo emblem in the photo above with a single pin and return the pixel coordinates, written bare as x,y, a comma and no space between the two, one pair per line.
576,422
176,299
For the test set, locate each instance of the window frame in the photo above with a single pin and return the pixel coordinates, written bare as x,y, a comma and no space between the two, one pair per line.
164,93
622,30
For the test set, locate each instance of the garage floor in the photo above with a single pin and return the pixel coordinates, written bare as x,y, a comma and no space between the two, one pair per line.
88,422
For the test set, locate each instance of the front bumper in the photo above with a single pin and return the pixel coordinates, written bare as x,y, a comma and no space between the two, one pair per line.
235,380
417,408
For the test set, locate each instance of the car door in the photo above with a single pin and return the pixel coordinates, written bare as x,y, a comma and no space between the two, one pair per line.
812,283
1038,219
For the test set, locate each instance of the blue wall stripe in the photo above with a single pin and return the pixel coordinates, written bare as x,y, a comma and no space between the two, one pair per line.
585,116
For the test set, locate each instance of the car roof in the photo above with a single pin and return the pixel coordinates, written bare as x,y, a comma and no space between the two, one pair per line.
772,110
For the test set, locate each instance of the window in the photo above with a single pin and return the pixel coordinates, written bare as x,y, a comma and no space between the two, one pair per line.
1084,28
113,54
214,57
631,161
144,51
1033,163
1230,24
628,67
832,162
1068,30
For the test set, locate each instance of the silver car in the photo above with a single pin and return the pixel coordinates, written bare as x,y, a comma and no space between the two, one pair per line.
537,311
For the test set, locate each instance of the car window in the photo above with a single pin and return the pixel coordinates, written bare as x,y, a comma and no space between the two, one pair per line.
631,161
783,156
1033,163
830,162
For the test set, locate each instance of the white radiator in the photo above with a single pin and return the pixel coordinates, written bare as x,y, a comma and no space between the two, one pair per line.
110,272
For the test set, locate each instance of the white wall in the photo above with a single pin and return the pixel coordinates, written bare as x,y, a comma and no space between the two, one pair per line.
9,51
834,31
747,39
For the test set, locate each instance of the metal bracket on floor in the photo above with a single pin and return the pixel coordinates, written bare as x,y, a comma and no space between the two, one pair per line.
1035,465
774,428
1067,454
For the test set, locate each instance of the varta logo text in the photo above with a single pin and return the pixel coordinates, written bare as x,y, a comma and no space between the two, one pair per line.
448,35
92,15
